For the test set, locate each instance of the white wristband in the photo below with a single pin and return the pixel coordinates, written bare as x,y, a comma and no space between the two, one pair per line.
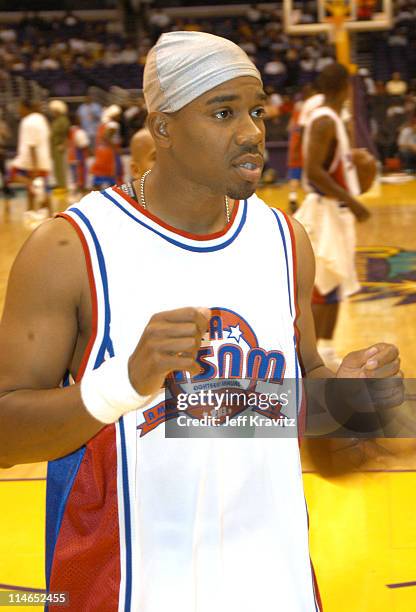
107,392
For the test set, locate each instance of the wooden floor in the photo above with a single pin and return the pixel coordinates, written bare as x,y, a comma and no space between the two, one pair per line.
361,495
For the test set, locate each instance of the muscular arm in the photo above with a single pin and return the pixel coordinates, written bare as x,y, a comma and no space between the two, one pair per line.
40,335
321,143
44,331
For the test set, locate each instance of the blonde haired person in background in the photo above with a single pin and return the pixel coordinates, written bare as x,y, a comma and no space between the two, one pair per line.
59,141
143,153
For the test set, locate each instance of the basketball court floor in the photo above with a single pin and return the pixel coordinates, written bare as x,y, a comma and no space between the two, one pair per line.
361,495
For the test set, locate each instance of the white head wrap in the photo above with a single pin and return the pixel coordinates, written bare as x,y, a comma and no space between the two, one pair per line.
184,65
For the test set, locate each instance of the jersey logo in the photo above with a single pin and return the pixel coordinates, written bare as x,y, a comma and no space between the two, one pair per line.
231,360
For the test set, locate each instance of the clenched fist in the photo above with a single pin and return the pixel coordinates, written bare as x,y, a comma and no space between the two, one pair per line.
379,361
169,342
378,370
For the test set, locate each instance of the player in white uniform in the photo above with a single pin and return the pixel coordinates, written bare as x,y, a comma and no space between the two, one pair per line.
185,271
331,206
33,161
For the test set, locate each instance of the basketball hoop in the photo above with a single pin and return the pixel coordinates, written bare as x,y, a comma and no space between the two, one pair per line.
338,14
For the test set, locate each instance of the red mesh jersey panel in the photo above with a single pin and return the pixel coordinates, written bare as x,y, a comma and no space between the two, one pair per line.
86,562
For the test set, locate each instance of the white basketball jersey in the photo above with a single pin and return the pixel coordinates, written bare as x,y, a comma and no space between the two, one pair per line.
203,524
342,169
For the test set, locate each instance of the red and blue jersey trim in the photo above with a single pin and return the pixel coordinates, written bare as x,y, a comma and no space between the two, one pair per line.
293,306
173,235
296,337
82,513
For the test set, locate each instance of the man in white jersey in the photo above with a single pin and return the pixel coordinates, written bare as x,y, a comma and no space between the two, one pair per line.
330,208
33,159
157,279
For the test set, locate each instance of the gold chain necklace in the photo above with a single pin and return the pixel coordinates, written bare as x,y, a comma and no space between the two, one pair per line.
143,201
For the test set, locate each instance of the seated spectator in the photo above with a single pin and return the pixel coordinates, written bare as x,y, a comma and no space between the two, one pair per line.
17,64
323,61
129,54
307,63
244,29
275,20
407,146
113,55
70,20
307,17
274,99
398,38
313,50
387,133
249,46
49,63
368,81
396,86
8,35
159,21
254,14
403,11
274,67
307,72
77,45
278,42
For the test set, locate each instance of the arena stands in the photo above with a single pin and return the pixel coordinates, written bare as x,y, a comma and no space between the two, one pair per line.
64,56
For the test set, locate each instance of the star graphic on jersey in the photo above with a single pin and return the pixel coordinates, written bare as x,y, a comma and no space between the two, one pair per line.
234,332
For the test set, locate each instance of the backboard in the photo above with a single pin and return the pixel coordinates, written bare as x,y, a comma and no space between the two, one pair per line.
353,15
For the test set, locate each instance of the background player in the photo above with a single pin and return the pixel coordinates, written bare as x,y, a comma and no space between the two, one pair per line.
303,108
59,141
33,160
329,210
78,150
107,167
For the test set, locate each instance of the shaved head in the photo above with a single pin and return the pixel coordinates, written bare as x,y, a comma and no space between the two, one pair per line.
143,153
